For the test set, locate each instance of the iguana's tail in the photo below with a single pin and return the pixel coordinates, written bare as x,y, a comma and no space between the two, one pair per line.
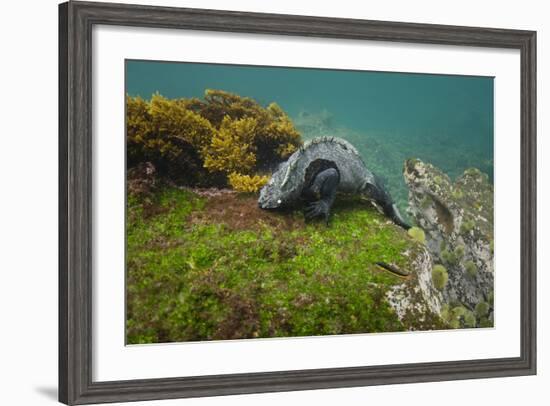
392,212
380,195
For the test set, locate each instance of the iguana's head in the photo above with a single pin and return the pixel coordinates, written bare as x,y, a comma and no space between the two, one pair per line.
279,191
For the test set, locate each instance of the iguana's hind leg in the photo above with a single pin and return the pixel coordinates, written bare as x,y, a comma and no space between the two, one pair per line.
323,188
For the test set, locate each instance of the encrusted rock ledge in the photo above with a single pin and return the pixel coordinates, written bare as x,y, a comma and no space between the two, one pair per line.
457,219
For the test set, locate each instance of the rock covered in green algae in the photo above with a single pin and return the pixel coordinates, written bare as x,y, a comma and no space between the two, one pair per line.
457,219
208,264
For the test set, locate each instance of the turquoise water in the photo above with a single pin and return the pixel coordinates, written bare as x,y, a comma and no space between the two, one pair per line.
443,119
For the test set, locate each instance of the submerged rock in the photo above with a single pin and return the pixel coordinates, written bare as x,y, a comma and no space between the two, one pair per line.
417,302
220,268
457,219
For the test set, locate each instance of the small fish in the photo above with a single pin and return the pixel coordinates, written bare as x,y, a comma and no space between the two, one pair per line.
393,269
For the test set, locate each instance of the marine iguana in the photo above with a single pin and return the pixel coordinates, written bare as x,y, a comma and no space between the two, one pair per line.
319,169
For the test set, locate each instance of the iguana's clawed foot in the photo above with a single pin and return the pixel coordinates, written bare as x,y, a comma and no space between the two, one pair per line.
317,209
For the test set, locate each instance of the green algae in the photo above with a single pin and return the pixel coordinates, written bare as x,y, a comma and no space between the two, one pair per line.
193,278
471,268
417,234
439,277
482,309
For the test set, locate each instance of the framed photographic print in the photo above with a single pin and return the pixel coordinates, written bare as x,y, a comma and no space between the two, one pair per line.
258,202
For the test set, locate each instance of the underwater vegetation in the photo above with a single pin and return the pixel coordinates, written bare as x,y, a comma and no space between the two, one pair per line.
417,233
458,316
201,142
247,183
471,268
208,265
205,263
439,276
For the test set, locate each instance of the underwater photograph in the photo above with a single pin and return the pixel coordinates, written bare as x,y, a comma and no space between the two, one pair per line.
268,202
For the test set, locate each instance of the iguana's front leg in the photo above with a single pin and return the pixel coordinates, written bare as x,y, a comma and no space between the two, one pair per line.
324,187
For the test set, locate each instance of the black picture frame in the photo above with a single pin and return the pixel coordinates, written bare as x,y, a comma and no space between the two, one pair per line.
76,20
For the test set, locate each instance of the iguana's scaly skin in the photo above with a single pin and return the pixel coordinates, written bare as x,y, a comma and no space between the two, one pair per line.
319,169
